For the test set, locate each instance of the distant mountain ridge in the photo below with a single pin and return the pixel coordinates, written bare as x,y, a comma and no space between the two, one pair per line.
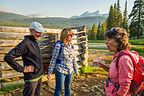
17,20
3,10
37,16
90,14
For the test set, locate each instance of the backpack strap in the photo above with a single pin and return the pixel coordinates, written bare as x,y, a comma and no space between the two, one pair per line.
58,60
116,60
60,45
119,55
116,85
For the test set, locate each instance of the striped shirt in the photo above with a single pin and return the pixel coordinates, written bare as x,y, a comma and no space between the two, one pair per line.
67,57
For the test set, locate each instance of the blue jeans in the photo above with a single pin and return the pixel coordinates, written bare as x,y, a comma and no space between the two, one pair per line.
62,79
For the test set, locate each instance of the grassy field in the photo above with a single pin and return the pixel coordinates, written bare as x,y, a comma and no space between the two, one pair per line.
137,45
98,50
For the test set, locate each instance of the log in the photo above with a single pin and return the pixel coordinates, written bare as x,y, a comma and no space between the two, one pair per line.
47,52
49,34
82,28
13,29
11,74
77,47
47,41
76,41
4,66
78,37
45,61
47,48
84,62
12,36
43,44
53,30
9,43
12,83
46,56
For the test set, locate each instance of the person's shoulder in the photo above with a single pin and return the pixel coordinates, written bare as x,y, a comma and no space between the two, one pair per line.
58,44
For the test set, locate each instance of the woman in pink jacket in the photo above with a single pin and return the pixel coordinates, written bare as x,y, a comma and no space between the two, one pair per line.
119,80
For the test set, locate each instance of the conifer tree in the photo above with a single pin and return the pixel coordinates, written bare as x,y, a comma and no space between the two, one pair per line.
110,19
99,32
115,15
94,32
125,19
103,30
89,34
137,19
119,15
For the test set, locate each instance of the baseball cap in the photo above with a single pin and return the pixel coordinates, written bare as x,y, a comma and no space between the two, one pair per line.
37,26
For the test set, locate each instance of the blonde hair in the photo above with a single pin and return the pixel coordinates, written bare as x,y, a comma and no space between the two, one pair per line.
64,34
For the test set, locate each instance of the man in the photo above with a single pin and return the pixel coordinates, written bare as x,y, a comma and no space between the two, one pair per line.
30,52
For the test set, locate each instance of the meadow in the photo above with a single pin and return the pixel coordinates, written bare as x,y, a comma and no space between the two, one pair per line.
98,50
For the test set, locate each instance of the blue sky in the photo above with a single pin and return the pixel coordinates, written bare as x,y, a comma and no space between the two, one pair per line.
60,8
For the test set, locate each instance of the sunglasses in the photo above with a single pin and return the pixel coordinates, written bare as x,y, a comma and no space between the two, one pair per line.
70,35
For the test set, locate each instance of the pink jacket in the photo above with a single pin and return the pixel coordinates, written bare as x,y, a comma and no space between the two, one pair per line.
123,76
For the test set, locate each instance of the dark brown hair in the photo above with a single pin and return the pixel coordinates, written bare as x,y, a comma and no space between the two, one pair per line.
120,36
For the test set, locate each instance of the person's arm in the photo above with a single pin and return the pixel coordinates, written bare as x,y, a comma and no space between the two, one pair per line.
125,68
104,66
54,58
75,66
14,53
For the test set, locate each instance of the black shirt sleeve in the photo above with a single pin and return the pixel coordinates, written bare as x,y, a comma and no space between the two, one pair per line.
18,51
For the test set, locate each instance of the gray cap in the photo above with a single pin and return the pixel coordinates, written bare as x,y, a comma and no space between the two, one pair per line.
37,26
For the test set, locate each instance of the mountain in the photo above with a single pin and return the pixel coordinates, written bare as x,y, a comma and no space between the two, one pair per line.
3,10
17,20
37,16
90,14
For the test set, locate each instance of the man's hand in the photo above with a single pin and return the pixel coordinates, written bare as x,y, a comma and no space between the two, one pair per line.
49,76
28,69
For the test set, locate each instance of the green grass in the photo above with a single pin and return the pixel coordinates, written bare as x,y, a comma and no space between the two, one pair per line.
98,70
139,45
96,41
6,89
133,42
137,42
139,49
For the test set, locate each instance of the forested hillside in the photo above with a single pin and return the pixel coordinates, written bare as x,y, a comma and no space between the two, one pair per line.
11,19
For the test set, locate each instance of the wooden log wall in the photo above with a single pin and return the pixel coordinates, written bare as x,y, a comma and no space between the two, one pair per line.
11,36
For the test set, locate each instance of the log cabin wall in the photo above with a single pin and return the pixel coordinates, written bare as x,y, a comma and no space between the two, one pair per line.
11,36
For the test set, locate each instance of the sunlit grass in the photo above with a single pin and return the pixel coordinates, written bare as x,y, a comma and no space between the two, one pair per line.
97,70
9,88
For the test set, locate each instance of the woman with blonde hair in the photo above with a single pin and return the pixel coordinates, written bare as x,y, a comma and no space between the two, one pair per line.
63,60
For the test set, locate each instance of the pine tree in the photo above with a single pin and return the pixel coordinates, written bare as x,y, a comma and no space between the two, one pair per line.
99,32
125,19
89,35
119,15
103,30
115,15
94,32
110,19
137,19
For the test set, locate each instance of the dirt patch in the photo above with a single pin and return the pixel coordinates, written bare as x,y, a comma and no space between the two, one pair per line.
87,85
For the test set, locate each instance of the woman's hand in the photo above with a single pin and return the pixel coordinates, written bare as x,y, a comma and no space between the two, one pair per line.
77,73
117,94
49,76
28,69
96,63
